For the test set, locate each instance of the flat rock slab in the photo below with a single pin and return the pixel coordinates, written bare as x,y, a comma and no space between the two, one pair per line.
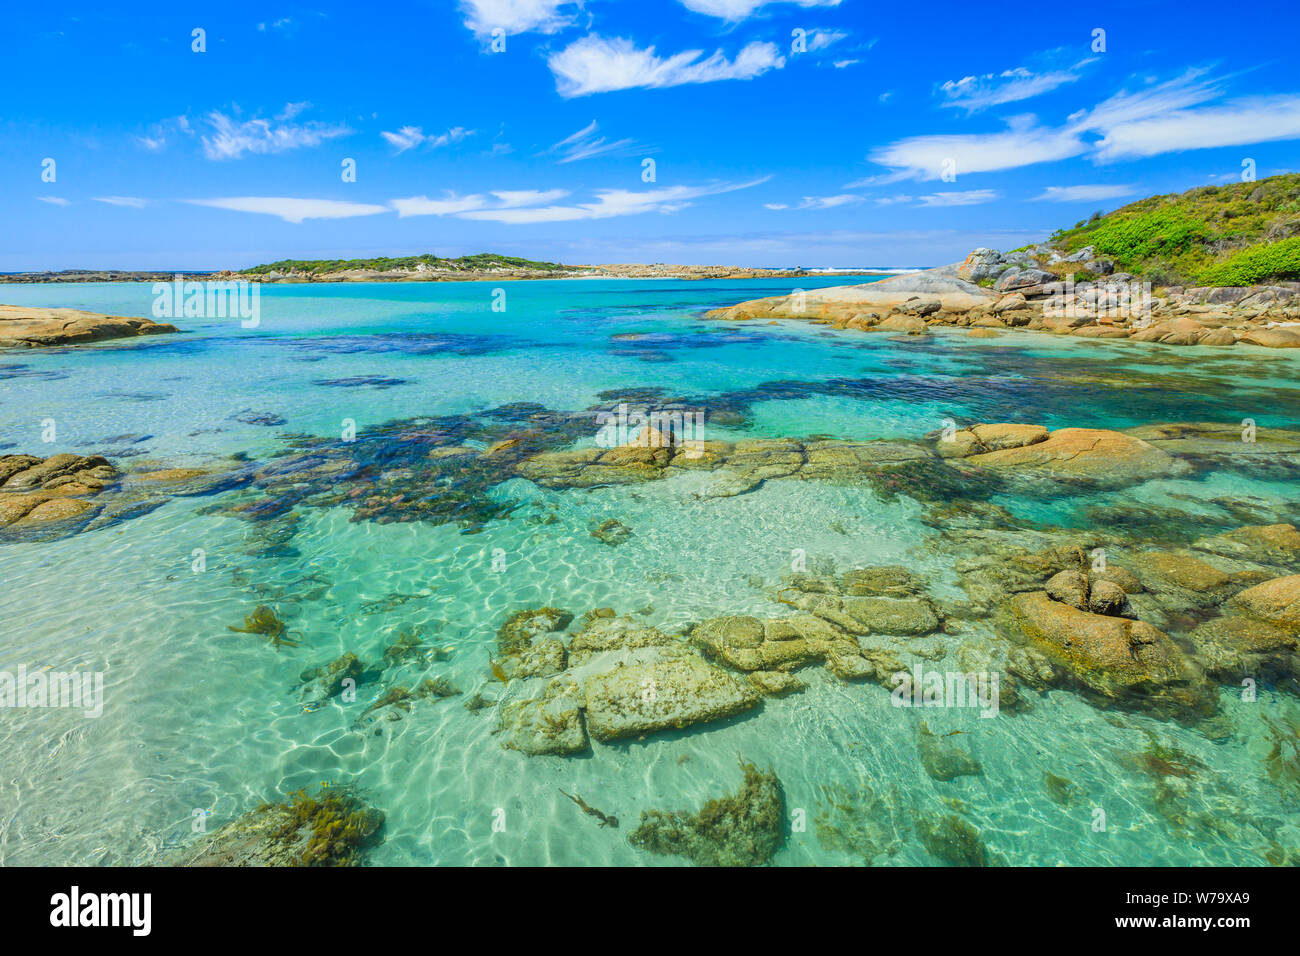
669,692
1087,454
27,327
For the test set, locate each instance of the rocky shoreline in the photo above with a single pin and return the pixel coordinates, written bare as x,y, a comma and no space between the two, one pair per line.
25,327
1038,290
425,274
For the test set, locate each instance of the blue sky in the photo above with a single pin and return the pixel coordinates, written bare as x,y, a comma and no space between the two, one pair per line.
805,132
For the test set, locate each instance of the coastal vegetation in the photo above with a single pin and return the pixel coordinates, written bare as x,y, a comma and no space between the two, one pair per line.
1232,235
481,262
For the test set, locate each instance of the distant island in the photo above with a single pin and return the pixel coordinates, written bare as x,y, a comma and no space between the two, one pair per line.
428,268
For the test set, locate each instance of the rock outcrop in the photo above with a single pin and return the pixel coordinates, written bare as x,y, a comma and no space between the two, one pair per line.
24,327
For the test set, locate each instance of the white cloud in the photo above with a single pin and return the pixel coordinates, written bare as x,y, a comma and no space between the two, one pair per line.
292,210
132,201
1256,119
408,137
841,64
928,157
55,200
821,39
775,205
892,200
424,206
1160,118
1180,93
518,16
584,144
1084,193
974,93
233,138
733,11
829,202
595,64
968,197
536,206
155,141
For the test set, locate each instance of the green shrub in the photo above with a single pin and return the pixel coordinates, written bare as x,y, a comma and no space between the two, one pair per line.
1165,231
1278,261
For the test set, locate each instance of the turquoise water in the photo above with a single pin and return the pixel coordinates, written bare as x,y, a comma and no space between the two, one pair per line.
199,717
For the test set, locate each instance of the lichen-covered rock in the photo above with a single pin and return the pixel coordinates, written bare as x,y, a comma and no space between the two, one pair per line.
33,327
1114,656
1275,544
1069,587
664,692
1233,646
981,439
1277,602
1182,580
744,829
1092,455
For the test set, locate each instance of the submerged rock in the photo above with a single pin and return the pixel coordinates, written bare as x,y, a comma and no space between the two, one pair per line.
519,630
44,499
953,840
334,828
550,723
665,692
1277,544
1276,602
744,829
1117,657
943,758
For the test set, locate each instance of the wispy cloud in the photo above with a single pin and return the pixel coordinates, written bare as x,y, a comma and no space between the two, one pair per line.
584,144
133,202
829,202
1254,119
821,39
595,64
975,93
518,16
408,137
968,197
55,200
1084,193
518,207
929,157
155,141
734,11
292,210
233,138
1161,117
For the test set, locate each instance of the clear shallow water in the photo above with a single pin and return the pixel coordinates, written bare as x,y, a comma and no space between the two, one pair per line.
199,717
